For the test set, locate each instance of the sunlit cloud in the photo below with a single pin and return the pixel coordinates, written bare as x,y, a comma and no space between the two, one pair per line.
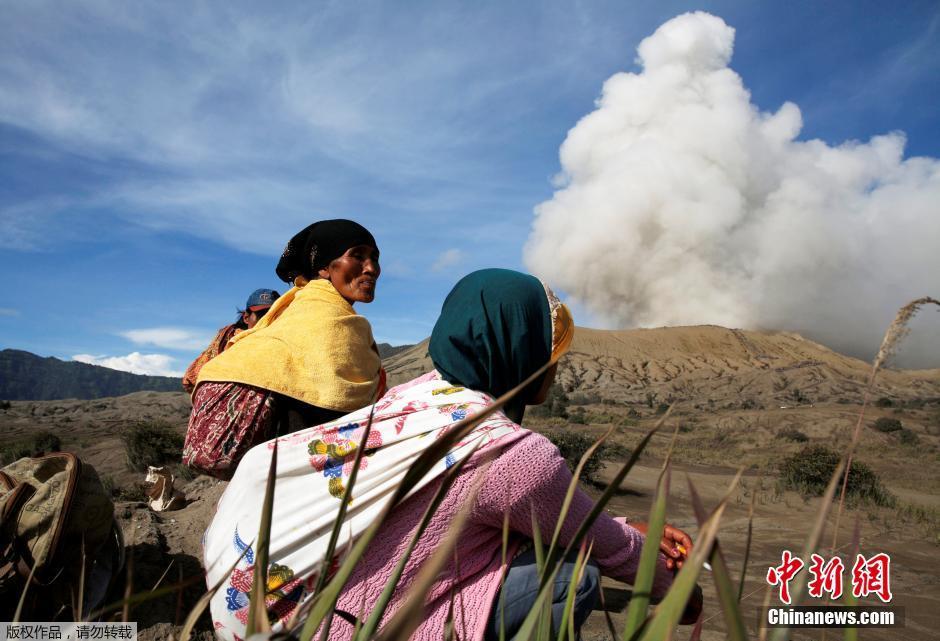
135,363
168,338
447,259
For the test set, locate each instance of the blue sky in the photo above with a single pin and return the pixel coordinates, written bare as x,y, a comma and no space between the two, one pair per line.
155,156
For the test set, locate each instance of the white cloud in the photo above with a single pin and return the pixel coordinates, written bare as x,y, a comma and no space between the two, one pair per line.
447,259
135,362
681,203
9,312
169,338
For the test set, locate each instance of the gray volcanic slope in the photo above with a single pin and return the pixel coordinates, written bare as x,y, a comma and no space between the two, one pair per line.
708,364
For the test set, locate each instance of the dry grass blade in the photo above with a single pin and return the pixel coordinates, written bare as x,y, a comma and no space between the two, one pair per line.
344,503
143,597
505,565
747,543
851,634
341,515
456,433
572,488
378,609
128,588
322,605
669,611
610,622
646,571
257,610
612,487
408,617
896,331
729,602
163,576
179,598
543,631
536,616
361,617
80,601
566,625
449,621
762,634
203,602
899,329
22,602
537,545
459,595
812,541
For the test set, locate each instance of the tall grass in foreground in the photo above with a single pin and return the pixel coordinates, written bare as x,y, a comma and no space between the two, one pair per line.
896,331
644,622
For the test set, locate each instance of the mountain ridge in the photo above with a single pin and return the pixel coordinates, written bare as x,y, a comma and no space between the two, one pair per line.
25,376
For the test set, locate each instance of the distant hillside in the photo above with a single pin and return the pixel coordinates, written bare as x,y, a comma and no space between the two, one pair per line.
27,377
387,350
709,366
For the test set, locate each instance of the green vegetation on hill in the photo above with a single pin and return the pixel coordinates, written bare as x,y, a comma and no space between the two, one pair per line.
42,442
152,443
27,377
809,471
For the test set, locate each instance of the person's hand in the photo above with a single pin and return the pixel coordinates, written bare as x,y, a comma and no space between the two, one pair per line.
675,544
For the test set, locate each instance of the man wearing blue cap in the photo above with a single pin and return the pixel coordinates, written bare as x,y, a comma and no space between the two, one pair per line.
257,306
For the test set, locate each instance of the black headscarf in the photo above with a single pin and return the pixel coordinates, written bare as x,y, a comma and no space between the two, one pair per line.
315,246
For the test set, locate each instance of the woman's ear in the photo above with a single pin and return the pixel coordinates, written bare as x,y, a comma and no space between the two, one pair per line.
324,273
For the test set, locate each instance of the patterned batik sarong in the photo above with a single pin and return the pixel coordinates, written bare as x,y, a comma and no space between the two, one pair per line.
216,347
227,420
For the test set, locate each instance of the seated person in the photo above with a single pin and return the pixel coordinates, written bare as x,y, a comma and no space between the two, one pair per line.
310,359
259,302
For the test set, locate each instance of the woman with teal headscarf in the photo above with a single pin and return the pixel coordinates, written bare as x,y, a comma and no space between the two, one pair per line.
494,331
496,328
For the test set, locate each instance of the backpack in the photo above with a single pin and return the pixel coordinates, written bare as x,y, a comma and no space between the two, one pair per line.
56,521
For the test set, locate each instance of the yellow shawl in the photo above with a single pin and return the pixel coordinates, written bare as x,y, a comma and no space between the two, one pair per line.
311,345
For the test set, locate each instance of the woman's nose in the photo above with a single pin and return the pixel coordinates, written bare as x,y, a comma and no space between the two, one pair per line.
371,266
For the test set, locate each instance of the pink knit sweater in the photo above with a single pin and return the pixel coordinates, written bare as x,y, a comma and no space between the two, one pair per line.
526,474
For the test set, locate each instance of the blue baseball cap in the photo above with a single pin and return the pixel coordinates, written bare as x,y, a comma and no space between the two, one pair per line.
261,299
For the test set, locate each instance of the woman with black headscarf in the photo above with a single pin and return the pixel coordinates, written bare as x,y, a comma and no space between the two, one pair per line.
309,360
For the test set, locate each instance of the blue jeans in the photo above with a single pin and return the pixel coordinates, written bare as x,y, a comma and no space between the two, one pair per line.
520,589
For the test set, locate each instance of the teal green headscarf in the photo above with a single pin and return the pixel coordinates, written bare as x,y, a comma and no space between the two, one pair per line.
494,331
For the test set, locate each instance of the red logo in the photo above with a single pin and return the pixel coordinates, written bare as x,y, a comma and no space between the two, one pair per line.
869,576
872,576
827,577
784,573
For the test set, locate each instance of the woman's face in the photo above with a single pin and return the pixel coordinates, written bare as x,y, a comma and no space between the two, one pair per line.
355,273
